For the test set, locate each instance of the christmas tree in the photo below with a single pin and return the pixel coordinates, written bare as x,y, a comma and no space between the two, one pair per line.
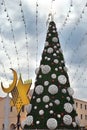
52,105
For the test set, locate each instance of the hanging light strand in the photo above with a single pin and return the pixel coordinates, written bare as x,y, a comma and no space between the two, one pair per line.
12,32
36,33
26,35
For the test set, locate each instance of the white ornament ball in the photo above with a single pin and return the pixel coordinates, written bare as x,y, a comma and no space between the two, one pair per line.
29,120
46,106
70,91
48,59
67,119
46,43
50,50
60,67
46,83
52,123
51,112
53,76
68,98
50,104
46,99
74,124
54,54
49,34
66,69
41,112
40,76
68,107
57,102
54,31
39,89
35,107
36,71
28,108
53,89
59,116
56,61
62,79
64,91
56,69
45,69
57,51
55,39
77,120
38,100
37,122
55,47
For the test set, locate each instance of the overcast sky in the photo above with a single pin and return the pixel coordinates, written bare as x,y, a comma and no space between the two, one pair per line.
25,57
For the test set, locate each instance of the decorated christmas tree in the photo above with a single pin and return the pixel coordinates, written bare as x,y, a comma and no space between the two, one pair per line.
52,105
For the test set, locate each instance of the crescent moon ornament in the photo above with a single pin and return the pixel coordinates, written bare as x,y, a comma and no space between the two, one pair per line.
12,85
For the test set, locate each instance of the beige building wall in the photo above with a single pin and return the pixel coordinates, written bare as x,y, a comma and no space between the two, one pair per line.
81,107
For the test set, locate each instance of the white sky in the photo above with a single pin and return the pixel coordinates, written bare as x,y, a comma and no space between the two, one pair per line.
72,38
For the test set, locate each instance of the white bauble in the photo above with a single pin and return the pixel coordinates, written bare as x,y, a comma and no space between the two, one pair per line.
29,120
54,31
57,51
46,106
38,100
60,67
58,115
45,69
50,104
63,90
35,107
36,71
65,68
62,61
57,102
48,59
39,89
50,50
56,69
55,47
33,97
68,107
74,124
53,89
70,91
68,98
40,76
28,108
37,122
67,119
55,39
53,76
49,34
51,112
53,27
56,61
41,112
46,43
54,54
52,123
46,99
77,120
62,79
46,83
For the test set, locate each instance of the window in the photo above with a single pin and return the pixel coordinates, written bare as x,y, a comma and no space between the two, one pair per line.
81,106
85,107
81,116
85,117
22,108
11,109
76,104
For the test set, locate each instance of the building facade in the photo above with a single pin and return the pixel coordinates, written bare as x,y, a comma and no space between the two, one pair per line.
81,108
